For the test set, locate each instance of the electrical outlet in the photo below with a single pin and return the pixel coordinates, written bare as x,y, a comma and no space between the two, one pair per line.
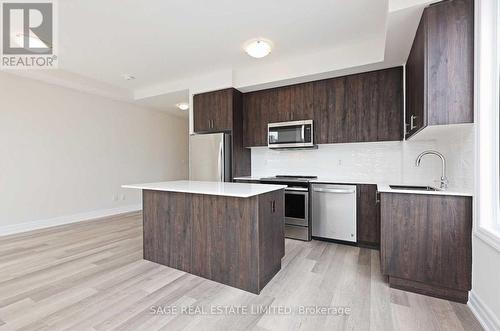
122,197
115,197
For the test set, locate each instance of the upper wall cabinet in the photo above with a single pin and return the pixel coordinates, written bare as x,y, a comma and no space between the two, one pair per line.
221,111
213,111
440,67
258,108
359,108
356,108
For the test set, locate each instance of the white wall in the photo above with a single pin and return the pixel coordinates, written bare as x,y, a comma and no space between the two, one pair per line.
64,152
379,162
485,295
485,299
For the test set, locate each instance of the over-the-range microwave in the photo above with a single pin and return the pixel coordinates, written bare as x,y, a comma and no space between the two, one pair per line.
293,134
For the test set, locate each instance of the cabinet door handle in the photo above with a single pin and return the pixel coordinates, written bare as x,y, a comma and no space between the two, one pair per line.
377,197
412,124
273,206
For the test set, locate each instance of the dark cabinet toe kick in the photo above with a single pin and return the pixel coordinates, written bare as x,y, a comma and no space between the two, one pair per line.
461,296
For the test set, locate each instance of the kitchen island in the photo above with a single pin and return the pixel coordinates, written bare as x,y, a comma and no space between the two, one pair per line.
231,233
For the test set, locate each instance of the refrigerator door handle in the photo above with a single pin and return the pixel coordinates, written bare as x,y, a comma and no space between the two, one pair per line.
221,161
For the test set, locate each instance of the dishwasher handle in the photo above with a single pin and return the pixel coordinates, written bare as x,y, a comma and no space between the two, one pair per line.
334,190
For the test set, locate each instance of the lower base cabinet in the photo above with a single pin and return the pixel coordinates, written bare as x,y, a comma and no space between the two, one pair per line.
231,240
426,243
368,216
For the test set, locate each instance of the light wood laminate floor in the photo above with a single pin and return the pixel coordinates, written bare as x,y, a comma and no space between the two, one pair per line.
91,276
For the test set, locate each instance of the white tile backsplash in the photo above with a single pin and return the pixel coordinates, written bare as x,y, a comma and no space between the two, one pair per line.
378,162
459,147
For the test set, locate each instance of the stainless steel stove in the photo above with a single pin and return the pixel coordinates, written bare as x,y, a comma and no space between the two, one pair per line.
297,220
289,178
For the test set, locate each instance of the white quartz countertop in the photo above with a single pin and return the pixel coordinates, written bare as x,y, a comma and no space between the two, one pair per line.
340,181
380,187
239,190
384,188
313,181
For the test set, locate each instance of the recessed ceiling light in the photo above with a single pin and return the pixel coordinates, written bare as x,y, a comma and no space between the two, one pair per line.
258,48
128,77
183,106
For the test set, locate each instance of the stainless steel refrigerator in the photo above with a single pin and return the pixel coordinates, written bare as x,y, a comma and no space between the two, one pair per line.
210,157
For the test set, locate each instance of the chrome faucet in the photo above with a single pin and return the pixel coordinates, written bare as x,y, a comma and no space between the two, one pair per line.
444,179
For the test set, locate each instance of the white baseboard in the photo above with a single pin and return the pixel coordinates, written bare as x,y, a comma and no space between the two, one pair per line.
41,224
484,314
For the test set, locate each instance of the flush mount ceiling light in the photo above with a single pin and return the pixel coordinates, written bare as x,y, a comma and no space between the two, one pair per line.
128,77
258,48
182,106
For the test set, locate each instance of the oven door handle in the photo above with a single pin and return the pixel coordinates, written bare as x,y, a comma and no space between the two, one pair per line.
338,191
296,189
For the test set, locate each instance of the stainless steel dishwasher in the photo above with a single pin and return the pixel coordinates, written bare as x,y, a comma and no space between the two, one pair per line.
334,212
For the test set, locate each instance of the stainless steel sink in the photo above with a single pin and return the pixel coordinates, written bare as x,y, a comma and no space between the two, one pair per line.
413,188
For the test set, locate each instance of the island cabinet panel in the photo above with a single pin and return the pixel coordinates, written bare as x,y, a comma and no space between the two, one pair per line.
426,243
270,236
442,54
225,236
234,241
167,235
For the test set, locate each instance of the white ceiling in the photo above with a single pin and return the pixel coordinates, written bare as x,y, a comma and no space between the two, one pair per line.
195,45
167,102
158,40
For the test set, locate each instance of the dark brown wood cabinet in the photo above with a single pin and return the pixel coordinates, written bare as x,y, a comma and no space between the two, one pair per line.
222,111
231,240
376,101
361,100
440,67
415,90
213,111
426,243
334,122
258,108
356,108
368,216
301,102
